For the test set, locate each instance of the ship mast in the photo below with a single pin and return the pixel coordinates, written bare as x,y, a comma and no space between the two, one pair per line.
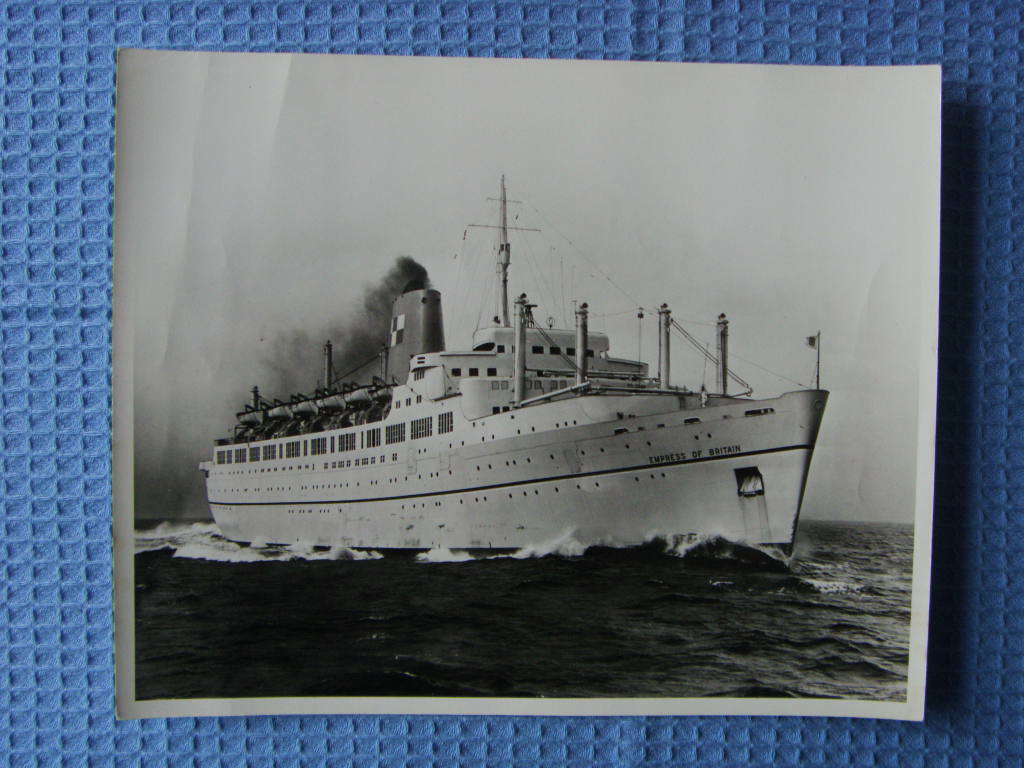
504,253
504,256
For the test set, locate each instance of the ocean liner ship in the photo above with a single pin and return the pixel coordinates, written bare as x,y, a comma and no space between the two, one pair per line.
533,434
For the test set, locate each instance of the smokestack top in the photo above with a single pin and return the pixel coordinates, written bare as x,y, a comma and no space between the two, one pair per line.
416,284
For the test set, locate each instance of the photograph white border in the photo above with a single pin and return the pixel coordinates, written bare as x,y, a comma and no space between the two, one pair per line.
128,707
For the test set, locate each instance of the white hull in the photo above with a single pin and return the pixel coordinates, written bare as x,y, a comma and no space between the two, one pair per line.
626,469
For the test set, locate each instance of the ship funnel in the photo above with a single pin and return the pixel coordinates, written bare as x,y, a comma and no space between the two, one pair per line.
664,326
723,354
581,343
255,398
416,327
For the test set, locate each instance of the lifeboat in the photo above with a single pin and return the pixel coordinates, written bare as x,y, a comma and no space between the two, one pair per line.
359,397
280,412
305,408
250,418
331,403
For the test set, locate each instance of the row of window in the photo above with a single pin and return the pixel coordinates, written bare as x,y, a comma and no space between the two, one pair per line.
537,384
569,351
317,446
421,428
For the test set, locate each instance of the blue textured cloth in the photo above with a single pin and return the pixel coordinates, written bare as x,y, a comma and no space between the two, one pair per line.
56,144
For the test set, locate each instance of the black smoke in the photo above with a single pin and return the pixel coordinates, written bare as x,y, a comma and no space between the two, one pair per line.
295,360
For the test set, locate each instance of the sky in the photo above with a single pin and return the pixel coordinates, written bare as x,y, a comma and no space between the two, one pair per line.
259,196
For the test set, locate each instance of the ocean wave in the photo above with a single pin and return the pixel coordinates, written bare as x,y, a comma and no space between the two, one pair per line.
830,587
720,551
443,555
203,541
564,545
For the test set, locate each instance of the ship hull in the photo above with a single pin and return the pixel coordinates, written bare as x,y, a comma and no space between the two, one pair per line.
628,470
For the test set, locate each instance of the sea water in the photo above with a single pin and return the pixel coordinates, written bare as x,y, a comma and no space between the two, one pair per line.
558,619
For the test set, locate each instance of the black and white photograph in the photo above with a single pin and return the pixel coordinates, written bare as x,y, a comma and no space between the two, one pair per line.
533,387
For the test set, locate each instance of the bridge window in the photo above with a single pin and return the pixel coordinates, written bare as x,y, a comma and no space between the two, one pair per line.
456,371
269,452
445,422
347,442
590,353
501,347
556,350
254,454
418,374
291,450
538,350
474,371
487,346
492,371
373,437
571,351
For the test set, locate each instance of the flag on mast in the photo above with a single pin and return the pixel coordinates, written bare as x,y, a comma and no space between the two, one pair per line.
812,342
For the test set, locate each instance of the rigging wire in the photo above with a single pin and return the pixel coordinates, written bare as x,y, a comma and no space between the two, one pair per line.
538,274
461,257
708,356
769,371
551,343
603,274
348,373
